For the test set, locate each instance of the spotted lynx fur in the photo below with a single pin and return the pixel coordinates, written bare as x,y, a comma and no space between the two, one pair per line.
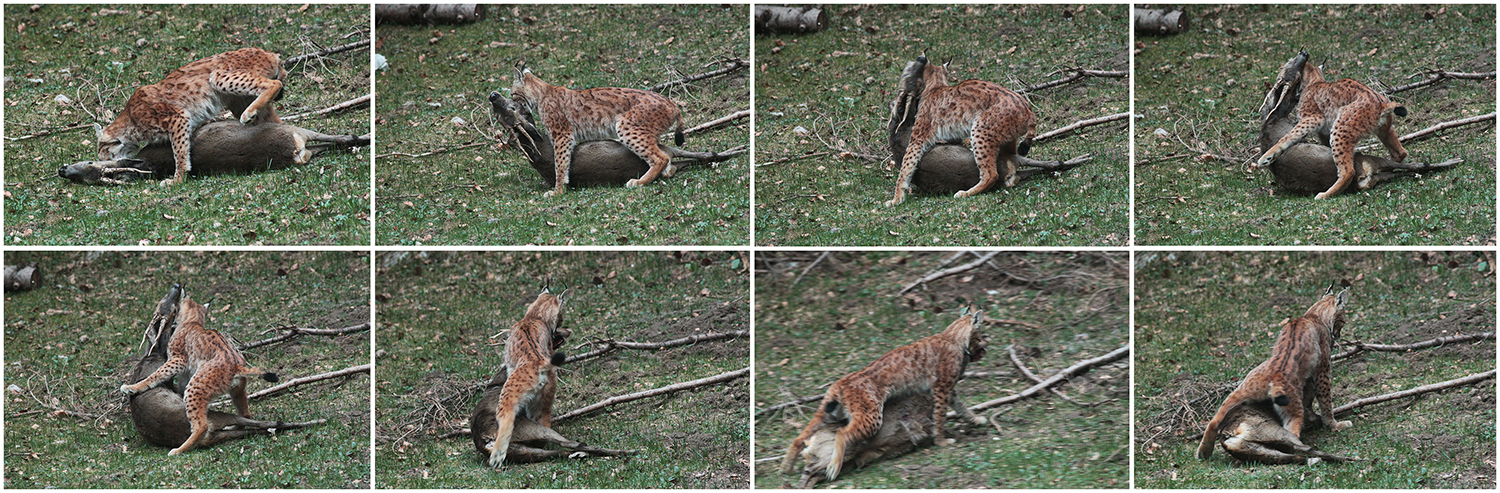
244,81
932,364
532,382
1297,371
998,123
633,116
1345,111
215,365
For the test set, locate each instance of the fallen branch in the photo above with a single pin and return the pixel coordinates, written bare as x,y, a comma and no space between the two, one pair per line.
810,267
432,153
1078,74
774,162
296,331
1024,371
1447,125
1457,382
1077,125
1066,373
948,272
1439,76
733,65
720,378
784,405
732,117
365,368
45,133
611,345
337,107
1395,348
325,52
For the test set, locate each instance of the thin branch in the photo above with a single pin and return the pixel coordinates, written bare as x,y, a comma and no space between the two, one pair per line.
784,405
794,158
720,378
611,345
1078,74
1079,124
810,267
325,52
296,331
1012,322
1457,382
1396,348
1024,371
432,153
732,117
45,133
1447,125
1056,378
733,65
337,107
1439,76
948,272
365,368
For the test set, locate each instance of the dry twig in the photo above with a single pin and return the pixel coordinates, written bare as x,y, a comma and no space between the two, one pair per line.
325,52
611,345
1078,74
337,107
432,153
1077,125
365,368
296,331
1077,368
1457,382
1439,76
948,272
1396,348
730,66
720,378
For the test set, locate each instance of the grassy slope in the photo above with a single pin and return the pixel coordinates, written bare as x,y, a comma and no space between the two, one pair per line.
96,61
1205,86
844,314
431,83
71,341
439,313
1203,320
838,85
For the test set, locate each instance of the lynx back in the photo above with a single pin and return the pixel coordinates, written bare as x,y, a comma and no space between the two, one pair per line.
632,116
532,381
244,81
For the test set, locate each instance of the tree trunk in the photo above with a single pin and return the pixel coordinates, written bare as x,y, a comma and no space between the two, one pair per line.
1160,22
435,13
794,20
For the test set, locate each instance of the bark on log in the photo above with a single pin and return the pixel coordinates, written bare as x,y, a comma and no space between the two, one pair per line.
792,20
433,13
1160,22
21,277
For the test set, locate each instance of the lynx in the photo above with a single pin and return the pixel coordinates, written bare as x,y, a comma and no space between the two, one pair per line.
1297,371
1345,111
243,81
633,116
532,380
215,365
933,365
998,123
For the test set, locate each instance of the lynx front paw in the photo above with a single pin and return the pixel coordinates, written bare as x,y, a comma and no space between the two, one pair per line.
175,451
895,202
248,116
551,193
496,458
1321,196
634,182
1264,161
961,194
978,420
127,390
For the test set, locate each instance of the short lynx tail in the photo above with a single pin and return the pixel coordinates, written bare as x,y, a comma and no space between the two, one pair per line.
558,358
270,377
1399,111
678,138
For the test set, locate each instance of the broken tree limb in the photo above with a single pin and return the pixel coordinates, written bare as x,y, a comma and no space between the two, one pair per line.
720,378
1395,348
434,13
1423,133
948,272
1060,376
730,66
790,20
45,133
1160,22
731,117
21,277
1457,382
431,153
1078,74
611,345
337,107
1027,372
365,368
292,332
325,52
1079,124
1436,76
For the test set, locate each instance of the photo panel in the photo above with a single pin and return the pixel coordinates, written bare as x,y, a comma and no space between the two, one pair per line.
860,345
83,328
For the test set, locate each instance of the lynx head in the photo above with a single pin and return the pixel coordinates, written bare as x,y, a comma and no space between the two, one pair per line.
190,312
935,75
966,332
548,309
1329,310
1311,73
527,88
110,145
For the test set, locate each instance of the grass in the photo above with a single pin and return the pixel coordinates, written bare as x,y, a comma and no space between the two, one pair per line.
487,195
441,319
1198,93
845,313
70,343
97,55
1205,319
836,87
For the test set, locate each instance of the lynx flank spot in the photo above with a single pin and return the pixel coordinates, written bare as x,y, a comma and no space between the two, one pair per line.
934,363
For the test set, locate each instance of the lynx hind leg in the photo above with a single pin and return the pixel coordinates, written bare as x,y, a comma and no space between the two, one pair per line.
942,396
245,84
643,144
1303,127
1392,142
195,400
238,395
986,154
865,417
789,462
1342,142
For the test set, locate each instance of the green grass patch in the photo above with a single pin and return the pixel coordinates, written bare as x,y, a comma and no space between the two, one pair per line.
1202,90
831,91
487,195
97,56
845,313
1203,320
70,343
442,316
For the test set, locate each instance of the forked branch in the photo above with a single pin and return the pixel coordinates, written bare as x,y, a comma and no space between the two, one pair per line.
1057,378
610,345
